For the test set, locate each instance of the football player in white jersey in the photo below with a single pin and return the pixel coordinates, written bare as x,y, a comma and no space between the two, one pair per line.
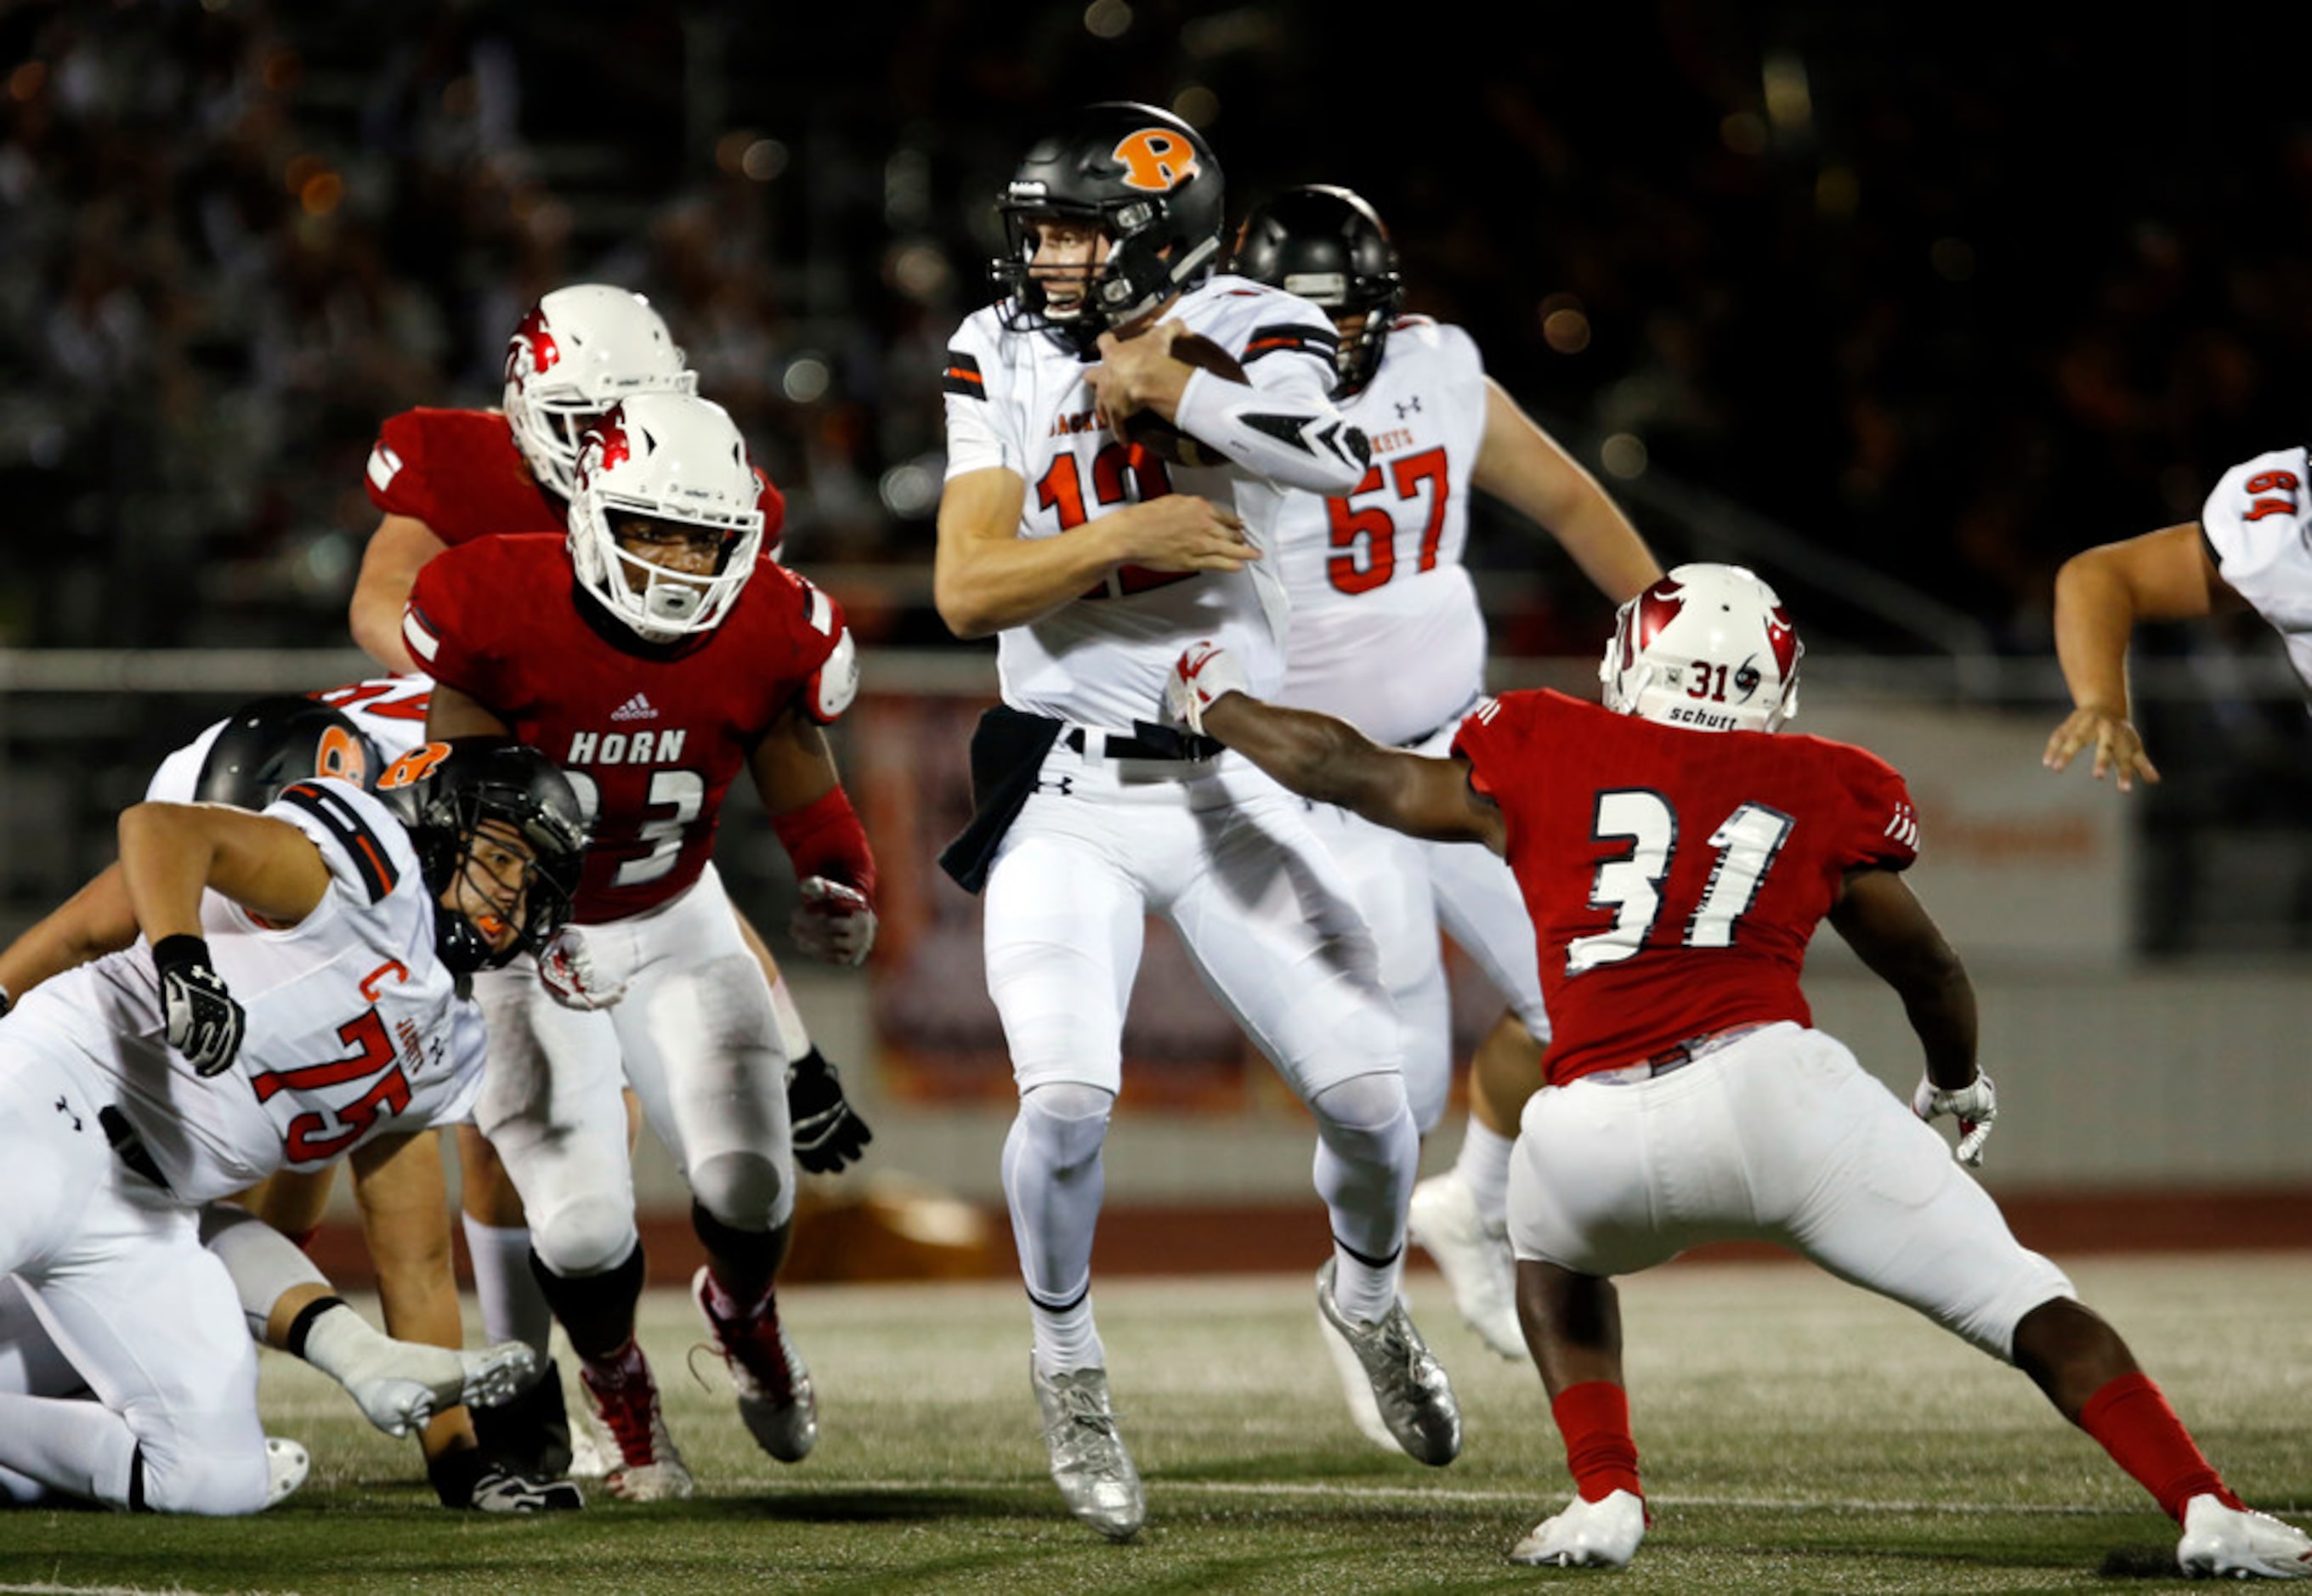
1093,562
2250,549
489,1465
283,989
1386,633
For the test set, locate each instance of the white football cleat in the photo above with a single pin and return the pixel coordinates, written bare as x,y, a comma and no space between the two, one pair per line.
286,1465
1090,1463
1406,1385
1472,1255
2239,1543
648,1466
1355,1385
400,1385
1586,1535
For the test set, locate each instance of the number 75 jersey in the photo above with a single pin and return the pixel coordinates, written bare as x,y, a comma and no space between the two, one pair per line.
1674,877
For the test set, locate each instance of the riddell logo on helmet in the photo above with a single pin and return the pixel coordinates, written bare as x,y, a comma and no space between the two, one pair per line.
1156,159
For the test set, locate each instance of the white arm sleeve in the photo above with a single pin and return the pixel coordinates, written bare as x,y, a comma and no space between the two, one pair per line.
1290,434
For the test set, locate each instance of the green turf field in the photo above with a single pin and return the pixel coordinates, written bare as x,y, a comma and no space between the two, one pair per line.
1798,1436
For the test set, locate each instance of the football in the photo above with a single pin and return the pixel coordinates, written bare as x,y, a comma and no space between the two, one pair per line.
1159,437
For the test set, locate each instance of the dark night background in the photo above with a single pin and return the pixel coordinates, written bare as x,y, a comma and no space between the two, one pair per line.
1948,299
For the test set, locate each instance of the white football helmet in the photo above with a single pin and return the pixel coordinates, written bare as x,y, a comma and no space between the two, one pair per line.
674,458
578,352
1709,646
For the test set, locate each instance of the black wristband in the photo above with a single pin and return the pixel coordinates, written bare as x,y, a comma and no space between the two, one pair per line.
6,1002
169,953
294,1343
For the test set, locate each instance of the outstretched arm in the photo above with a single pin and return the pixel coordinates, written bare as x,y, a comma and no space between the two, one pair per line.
2100,594
1885,923
1332,762
1524,466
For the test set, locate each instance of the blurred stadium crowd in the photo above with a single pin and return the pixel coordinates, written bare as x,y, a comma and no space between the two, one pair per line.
1950,311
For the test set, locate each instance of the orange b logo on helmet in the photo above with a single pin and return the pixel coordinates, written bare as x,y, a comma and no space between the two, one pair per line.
1157,159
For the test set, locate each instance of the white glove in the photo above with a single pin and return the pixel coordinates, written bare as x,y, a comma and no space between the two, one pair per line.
833,922
568,969
1975,1106
1204,674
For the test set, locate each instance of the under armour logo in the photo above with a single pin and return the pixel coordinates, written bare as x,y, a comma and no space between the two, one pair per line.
63,1107
1405,407
1064,786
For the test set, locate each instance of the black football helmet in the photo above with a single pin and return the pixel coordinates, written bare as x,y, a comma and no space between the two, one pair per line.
1146,179
1328,246
476,780
268,743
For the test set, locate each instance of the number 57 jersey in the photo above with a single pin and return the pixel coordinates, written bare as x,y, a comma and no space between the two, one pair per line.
1674,877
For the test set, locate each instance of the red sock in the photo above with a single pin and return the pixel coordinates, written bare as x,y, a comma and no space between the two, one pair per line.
1594,1418
2131,1420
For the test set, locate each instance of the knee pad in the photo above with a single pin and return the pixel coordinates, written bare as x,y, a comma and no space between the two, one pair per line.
585,1235
1065,1123
744,1190
1362,1110
205,1464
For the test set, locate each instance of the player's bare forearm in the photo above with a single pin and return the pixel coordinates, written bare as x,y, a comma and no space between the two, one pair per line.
2102,593
450,714
172,853
1893,934
95,920
792,765
1328,760
397,549
398,1182
1526,468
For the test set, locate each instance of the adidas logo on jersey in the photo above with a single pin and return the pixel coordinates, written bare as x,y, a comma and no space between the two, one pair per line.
637,708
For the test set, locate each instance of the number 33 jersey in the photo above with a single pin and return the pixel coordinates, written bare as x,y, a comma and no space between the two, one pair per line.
1674,877
354,1029
651,736
1386,630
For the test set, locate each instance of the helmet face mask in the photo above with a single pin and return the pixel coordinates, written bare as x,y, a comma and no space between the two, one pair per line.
1708,647
678,462
578,352
1326,245
1147,183
499,832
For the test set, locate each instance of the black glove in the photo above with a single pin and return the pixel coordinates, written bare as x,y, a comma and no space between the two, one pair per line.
829,1132
205,1023
466,1481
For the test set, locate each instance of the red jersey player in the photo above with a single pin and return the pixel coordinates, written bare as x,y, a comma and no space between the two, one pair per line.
682,657
1676,858
442,478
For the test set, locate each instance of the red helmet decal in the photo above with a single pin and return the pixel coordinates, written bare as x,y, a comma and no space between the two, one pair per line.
1785,639
532,335
611,433
1657,606
1156,159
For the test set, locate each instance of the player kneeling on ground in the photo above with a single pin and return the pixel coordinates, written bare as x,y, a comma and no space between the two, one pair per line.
285,988
1676,859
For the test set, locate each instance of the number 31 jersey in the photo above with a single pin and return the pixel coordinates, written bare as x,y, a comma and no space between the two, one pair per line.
1386,630
1674,877
651,736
